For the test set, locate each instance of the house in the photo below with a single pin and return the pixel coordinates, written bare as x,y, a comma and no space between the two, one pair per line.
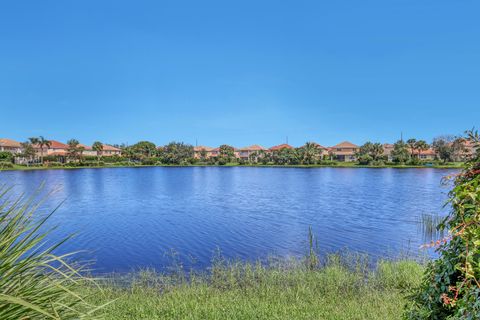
427,155
246,152
387,151
323,150
88,151
109,150
55,149
198,150
11,146
280,147
344,151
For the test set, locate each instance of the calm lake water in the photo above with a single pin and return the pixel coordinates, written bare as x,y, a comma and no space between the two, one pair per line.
133,217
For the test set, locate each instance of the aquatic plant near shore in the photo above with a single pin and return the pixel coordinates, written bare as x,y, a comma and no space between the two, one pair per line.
34,282
451,284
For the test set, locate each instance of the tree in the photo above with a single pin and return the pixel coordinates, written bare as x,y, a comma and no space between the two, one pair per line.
42,142
443,147
412,144
74,150
400,152
227,153
370,152
176,153
28,152
458,149
145,148
309,153
421,145
98,148
450,288
203,155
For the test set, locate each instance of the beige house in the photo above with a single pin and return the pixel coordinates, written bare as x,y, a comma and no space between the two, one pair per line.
11,146
198,150
344,151
55,149
109,150
427,155
88,151
246,152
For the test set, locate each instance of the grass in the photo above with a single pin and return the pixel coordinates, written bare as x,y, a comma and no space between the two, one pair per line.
335,290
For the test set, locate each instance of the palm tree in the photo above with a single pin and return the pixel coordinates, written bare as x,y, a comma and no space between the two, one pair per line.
98,147
412,144
28,152
73,148
42,142
376,151
310,153
421,145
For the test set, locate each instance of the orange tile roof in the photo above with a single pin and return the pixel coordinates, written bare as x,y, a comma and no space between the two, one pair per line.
107,147
280,147
200,148
254,147
345,145
428,152
57,145
10,143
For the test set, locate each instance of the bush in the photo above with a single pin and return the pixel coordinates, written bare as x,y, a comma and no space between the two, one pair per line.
6,156
450,288
54,164
6,164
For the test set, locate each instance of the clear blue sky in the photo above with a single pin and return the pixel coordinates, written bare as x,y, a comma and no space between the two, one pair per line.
239,72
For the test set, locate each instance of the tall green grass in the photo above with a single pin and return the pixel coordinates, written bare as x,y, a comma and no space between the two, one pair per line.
339,287
34,282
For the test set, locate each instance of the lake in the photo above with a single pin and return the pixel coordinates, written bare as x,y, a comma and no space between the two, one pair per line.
127,218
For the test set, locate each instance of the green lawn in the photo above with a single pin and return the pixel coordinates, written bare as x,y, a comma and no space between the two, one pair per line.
246,291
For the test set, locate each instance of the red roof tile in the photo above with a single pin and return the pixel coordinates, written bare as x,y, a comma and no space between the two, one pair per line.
9,143
280,147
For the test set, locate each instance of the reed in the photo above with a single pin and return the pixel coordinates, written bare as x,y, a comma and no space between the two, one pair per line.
34,282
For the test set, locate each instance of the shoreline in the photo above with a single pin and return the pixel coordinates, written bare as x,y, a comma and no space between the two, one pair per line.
341,165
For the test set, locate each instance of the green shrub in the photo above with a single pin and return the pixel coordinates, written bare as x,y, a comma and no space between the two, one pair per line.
54,164
34,282
450,288
5,165
6,156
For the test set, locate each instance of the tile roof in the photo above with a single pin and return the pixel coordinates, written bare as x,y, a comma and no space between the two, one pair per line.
200,148
254,147
280,147
10,143
345,145
107,147
57,145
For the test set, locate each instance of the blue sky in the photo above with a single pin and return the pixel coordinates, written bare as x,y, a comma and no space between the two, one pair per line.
238,72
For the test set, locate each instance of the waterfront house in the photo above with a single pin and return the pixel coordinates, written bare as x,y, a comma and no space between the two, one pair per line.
88,150
427,155
56,148
344,151
323,150
109,150
246,152
10,145
198,150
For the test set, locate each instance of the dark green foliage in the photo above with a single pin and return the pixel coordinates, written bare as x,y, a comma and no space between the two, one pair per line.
400,153
451,288
176,153
6,156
